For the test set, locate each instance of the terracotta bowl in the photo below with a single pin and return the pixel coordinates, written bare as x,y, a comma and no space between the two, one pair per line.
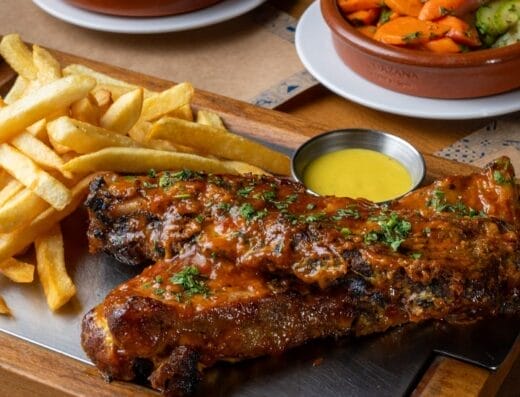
466,75
142,8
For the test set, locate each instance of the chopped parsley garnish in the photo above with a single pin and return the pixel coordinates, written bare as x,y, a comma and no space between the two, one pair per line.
385,15
311,206
411,36
168,179
416,255
393,232
439,203
444,11
248,212
152,173
500,178
345,231
191,281
244,192
200,218
270,195
427,230
158,279
159,291
346,213
224,207
148,185
315,217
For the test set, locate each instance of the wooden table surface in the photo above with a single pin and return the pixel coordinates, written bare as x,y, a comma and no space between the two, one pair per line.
445,377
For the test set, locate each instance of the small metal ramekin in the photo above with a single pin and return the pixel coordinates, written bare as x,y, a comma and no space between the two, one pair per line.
356,138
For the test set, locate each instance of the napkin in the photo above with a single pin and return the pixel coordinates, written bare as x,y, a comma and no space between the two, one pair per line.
501,137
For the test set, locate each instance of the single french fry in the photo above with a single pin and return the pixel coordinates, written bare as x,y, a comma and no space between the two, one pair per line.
28,173
17,271
21,114
83,137
11,188
139,132
167,101
37,151
103,80
39,130
18,56
50,263
4,309
220,143
244,168
212,119
103,97
17,90
16,241
86,109
5,178
124,112
140,160
20,210
47,67
184,112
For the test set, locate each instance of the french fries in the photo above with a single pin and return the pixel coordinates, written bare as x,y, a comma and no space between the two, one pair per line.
124,112
50,262
4,309
37,151
140,160
18,56
220,143
83,137
48,69
44,101
17,90
16,241
28,173
58,127
86,109
167,101
9,190
17,271
20,210
209,118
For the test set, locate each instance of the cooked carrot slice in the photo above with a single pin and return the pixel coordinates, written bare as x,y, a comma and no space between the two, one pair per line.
368,30
434,9
409,30
443,45
405,7
461,31
348,6
364,17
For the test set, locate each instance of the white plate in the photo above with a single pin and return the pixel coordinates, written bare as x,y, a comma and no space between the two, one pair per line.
208,16
316,51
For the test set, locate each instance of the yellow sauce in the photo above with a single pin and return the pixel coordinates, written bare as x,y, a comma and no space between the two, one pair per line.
357,173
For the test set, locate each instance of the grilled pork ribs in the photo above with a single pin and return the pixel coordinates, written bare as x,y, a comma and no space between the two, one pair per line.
251,266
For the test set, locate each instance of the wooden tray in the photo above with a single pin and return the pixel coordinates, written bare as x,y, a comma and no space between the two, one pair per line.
27,369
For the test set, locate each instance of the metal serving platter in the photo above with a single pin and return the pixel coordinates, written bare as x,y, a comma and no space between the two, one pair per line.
384,364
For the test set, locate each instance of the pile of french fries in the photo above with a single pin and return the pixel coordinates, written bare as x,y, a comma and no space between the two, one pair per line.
59,126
